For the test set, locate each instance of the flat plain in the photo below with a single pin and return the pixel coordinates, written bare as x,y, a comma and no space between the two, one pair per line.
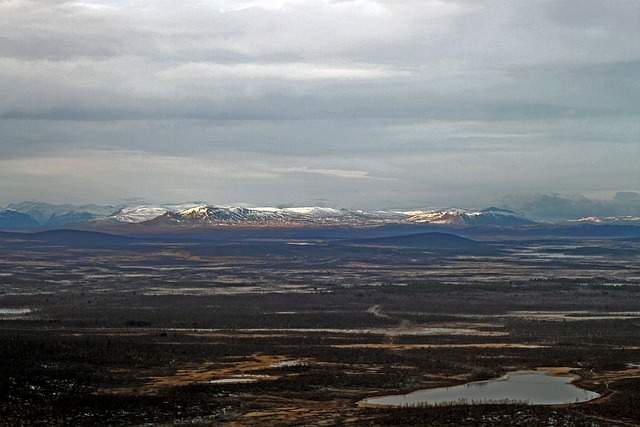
299,326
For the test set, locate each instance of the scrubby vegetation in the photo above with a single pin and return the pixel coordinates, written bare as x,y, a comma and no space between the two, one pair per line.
176,335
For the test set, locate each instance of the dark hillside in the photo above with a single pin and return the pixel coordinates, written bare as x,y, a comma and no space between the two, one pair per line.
76,238
431,240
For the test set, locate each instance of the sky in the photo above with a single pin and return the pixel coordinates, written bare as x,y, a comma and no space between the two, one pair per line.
346,103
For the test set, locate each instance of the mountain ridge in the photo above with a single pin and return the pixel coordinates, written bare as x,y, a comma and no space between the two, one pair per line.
33,215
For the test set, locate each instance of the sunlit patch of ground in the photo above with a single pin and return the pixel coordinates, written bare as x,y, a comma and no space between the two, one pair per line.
393,346
295,412
227,290
468,329
573,315
184,255
231,371
554,371
608,377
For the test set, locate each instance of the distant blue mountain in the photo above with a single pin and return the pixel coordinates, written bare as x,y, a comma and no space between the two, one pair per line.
50,215
10,219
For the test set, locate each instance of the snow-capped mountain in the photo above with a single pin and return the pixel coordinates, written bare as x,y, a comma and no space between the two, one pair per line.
141,213
207,215
194,214
221,215
438,217
459,217
50,215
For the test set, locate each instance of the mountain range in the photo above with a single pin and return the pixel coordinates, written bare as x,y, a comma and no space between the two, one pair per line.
32,215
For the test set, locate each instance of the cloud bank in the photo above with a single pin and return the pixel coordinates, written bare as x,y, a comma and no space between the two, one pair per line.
560,207
361,103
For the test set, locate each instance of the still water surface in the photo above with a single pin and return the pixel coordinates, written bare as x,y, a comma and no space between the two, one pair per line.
535,388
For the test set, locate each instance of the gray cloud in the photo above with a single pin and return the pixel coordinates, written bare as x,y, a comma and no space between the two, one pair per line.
435,102
556,206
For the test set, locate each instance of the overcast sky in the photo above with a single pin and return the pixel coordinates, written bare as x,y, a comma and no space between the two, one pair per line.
348,103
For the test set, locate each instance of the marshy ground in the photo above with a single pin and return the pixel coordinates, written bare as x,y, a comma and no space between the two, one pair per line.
181,334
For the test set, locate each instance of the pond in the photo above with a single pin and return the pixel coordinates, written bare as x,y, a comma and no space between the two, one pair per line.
533,388
14,311
238,379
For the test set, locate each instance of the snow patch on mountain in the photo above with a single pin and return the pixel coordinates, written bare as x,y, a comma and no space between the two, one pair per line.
629,219
141,213
310,215
206,215
460,217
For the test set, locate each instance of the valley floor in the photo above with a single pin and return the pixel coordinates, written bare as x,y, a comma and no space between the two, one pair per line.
184,334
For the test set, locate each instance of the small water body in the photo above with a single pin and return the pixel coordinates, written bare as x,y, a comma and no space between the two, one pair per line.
534,388
445,331
14,311
233,381
238,379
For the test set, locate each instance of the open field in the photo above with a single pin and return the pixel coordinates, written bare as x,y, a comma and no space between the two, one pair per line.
297,331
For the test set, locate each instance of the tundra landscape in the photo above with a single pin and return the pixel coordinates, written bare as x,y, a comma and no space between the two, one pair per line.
247,324
319,213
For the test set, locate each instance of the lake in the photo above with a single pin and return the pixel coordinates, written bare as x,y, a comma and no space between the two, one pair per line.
533,388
